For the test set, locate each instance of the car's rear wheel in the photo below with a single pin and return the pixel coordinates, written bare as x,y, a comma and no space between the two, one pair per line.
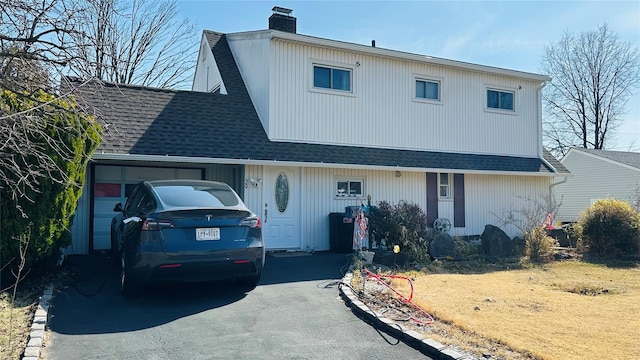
128,286
249,282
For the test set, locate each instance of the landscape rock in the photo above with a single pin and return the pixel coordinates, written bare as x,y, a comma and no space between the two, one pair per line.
442,246
519,246
495,242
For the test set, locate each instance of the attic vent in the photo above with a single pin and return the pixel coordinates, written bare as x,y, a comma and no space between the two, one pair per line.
282,20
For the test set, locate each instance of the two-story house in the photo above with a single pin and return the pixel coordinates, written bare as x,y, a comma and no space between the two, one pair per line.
303,126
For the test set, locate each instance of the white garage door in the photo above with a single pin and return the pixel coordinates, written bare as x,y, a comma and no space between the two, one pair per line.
112,185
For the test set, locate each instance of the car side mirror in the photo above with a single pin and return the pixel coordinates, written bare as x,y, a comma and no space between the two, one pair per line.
118,207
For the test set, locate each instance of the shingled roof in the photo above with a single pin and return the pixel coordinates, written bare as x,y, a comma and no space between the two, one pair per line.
623,157
173,123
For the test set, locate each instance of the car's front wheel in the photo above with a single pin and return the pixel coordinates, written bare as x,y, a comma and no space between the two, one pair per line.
128,286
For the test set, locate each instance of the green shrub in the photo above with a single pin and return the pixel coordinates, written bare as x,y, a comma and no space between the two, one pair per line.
403,224
464,249
43,215
539,245
609,228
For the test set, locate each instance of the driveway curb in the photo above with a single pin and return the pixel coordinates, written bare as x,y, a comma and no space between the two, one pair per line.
38,325
427,346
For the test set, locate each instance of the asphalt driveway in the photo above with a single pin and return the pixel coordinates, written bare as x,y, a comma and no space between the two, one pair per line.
294,313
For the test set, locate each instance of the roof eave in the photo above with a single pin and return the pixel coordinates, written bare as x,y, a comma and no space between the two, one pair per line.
203,160
306,39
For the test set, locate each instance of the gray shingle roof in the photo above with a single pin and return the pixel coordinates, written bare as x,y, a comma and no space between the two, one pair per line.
150,121
624,157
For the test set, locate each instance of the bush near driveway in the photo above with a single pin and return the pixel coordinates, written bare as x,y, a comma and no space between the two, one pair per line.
610,228
43,217
403,224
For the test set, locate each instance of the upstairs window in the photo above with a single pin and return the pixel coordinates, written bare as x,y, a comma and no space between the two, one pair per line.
500,99
428,89
326,77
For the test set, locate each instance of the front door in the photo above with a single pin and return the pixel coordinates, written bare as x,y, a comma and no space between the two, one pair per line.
281,212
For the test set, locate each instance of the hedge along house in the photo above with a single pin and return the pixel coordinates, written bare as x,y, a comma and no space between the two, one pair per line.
302,127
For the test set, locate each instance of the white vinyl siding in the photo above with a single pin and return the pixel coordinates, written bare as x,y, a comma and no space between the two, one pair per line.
384,113
253,195
319,199
489,198
207,75
594,178
253,62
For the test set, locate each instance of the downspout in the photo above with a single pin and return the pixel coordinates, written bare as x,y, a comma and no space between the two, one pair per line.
540,147
540,140
551,186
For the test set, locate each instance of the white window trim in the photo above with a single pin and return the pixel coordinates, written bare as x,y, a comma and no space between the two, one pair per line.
336,65
348,179
428,78
514,91
450,197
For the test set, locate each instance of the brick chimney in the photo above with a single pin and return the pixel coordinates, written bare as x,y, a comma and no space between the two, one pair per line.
282,20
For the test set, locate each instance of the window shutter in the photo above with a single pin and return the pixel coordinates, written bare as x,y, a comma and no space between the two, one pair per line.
432,198
458,200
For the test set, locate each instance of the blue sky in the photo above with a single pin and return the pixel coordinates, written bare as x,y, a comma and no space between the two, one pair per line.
506,34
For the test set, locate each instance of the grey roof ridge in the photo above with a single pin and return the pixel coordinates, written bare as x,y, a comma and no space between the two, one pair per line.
629,158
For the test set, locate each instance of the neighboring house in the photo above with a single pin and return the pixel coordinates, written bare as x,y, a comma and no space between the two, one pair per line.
597,174
302,127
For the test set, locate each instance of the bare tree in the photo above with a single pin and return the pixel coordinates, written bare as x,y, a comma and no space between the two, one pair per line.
594,74
33,51
135,42
32,42
35,100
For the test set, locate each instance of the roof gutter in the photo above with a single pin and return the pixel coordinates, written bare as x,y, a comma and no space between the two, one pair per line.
201,160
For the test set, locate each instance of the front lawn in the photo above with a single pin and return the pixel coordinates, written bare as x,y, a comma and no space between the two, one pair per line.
564,310
15,321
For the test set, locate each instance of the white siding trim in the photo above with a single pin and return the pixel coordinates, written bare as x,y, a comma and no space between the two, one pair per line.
377,51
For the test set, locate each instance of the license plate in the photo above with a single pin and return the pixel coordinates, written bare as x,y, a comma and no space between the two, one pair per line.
207,234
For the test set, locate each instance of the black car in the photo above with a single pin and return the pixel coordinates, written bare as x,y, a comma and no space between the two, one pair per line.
186,230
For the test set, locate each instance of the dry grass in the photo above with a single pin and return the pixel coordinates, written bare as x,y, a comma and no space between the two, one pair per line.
565,310
15,323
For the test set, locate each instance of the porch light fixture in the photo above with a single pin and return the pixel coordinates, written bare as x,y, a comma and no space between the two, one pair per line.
253,181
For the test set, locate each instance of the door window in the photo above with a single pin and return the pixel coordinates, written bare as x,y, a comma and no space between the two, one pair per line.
282,192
